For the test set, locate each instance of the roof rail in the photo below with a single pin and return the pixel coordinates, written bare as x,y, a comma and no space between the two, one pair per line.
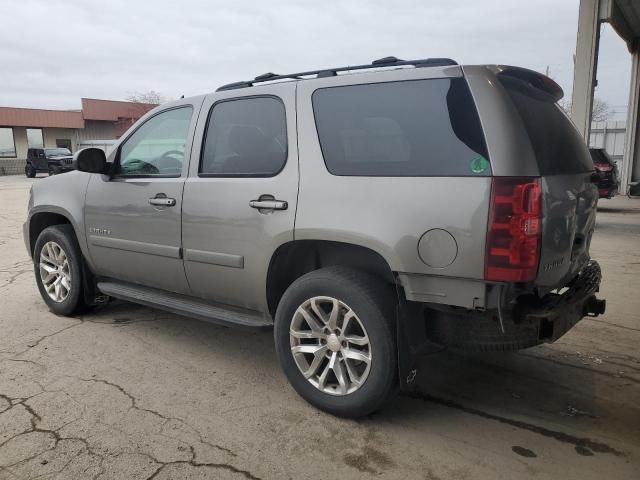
332,72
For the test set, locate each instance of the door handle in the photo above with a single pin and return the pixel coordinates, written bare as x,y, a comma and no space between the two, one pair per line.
269,204
159,201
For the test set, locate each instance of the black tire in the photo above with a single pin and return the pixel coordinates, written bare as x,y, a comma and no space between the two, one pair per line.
374,303
29,171
65,237
481,333
51,171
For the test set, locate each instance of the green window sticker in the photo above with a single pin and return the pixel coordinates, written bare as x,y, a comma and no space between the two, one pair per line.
479,164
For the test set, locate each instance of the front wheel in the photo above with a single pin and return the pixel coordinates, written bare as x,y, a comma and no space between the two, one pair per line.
335,338
57,264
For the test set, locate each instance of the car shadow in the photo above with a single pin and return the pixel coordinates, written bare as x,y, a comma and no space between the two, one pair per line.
605,209
527,390
547,390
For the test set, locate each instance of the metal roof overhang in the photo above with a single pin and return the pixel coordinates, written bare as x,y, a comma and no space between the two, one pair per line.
31,117
624,17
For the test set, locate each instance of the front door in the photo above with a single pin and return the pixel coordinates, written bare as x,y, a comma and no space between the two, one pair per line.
132,218
240,198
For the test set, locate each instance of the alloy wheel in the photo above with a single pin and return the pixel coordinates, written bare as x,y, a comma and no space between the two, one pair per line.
330,345
55,272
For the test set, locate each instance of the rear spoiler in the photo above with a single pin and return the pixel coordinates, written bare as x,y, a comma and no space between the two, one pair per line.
534,79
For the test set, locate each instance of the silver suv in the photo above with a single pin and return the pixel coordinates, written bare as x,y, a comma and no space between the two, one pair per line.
363,212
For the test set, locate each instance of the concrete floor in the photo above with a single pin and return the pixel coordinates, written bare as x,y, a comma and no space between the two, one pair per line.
133,393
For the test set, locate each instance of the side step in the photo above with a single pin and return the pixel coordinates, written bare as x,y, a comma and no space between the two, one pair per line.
184,305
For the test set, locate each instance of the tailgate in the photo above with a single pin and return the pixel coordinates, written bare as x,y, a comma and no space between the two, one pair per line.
569,216
564,164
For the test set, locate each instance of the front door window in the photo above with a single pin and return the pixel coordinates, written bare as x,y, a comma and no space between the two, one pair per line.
157,148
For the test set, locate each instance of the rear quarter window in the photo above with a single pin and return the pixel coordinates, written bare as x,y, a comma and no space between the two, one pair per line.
410,128
558,146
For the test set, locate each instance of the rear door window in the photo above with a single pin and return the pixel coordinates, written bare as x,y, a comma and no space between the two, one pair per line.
245,137
558,146
410,128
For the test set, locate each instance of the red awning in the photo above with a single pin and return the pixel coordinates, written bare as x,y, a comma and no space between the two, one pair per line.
31,117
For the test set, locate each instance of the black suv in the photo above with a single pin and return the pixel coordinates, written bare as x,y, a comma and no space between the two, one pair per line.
607,172
51,160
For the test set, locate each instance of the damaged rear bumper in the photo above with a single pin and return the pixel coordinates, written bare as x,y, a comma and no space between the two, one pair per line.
557,313
531,321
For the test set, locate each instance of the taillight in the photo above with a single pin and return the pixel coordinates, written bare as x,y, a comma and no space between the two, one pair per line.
513,230
603,167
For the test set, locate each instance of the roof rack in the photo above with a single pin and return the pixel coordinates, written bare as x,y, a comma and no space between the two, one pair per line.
332,72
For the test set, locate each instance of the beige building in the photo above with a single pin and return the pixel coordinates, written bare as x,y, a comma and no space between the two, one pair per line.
22,128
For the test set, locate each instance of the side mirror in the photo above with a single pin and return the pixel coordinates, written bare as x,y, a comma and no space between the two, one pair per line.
91,160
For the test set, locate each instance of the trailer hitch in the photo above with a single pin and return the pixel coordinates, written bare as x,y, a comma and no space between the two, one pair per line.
594,306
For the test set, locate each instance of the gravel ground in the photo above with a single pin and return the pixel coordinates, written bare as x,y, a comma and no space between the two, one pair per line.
133,393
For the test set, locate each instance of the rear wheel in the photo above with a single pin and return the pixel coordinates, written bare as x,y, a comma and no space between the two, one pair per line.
335,340
29,171
57,264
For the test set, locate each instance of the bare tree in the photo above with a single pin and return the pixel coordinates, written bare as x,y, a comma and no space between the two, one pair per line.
151,96
565,104
601,111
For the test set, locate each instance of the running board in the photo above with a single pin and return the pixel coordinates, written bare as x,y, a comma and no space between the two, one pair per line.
184,305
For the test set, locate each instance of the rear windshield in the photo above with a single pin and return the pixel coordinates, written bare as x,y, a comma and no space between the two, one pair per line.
598,156
409,128
557,144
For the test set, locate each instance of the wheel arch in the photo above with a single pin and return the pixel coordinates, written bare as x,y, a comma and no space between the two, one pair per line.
40,220
293,259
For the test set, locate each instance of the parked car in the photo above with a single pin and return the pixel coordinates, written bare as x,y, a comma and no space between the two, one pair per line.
607,172
361,216
50,160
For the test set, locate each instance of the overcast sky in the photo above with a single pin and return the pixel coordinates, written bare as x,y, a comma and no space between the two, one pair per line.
54,52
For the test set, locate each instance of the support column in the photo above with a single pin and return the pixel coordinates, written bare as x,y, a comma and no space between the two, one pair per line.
584,74
631,163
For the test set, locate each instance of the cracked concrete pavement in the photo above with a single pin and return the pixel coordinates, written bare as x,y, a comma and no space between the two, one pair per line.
128,392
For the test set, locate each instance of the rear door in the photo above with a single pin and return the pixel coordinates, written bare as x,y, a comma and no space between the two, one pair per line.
569,195
240,198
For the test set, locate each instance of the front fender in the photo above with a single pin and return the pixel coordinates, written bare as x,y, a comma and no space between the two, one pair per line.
60,195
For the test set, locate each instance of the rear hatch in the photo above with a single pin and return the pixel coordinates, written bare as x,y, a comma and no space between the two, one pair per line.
606,169
569,197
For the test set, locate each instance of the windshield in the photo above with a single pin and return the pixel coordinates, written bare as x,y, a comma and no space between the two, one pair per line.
56,152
